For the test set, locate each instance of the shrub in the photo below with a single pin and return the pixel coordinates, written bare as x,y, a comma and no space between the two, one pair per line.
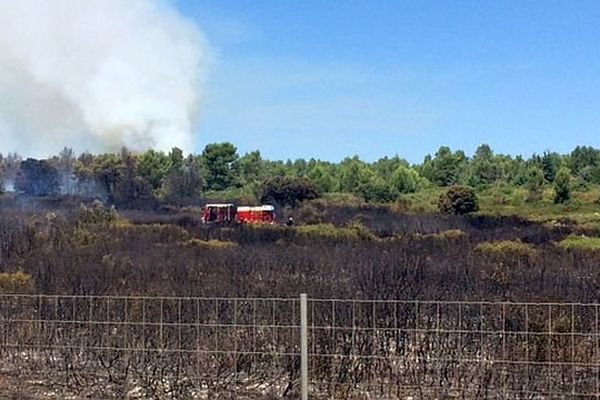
400,206
406,180
458,200
83,237
517,198
497,195
449,234
376,190
424,201
354,231
97,214
507,248
361,231
17,282
580,243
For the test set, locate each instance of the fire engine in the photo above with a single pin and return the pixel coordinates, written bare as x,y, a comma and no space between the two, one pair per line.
227,213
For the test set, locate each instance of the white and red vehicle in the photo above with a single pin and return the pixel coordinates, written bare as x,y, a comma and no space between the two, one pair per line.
224,213
264,214
218,213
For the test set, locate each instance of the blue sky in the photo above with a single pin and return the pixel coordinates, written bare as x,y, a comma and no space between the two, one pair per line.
330,79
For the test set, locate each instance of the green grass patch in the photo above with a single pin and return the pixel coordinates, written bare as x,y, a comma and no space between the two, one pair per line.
507,248
580,243
449,235
353,231
423,201
210,244
583,209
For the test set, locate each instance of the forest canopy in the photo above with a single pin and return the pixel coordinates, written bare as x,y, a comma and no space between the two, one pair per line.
141,179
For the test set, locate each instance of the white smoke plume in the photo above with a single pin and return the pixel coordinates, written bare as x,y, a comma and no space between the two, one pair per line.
97,75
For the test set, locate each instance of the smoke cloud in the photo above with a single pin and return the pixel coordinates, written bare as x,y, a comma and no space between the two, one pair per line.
97,75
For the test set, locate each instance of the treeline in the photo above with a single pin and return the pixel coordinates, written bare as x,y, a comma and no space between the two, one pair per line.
219,171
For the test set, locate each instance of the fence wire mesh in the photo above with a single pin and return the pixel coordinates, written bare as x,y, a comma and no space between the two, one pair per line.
467,350
149,347
216,348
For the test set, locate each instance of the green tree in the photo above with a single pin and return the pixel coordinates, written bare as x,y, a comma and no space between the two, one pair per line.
550,163
176,157
184,184
218,160
385,167
299,167
288,191
405,180
354,173
324,176
590,174
516,170
107,170
485,168
154,166
446,168
276,168
377,190
131,189
37,178
584,157
250,168
85,182
562,186
535,184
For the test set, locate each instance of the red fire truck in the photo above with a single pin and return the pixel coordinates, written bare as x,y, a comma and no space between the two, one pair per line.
223,213
256,214
218,213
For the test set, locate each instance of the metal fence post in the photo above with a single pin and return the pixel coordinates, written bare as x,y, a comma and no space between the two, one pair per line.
303,346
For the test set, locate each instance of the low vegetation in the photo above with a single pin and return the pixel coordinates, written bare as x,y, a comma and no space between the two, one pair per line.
353,232
580,243
16,282
368,251
507,248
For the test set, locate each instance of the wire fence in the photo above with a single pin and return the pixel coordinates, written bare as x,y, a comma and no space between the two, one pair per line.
238,348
